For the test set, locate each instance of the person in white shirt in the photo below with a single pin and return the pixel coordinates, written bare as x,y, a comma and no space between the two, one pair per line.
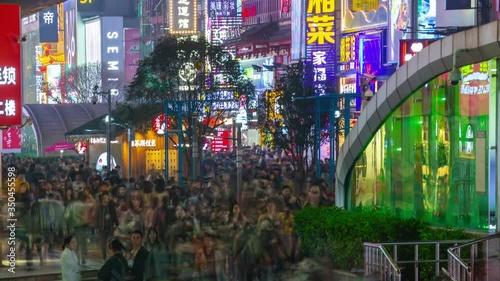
69,262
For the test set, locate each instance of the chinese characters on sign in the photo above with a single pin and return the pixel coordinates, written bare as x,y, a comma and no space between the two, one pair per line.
349,46
11,140
221,141
222,8
183,16
320,44
48,25
143,143
10,64
159,124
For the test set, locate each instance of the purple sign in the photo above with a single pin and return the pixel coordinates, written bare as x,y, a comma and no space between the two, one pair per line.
132,55
222,8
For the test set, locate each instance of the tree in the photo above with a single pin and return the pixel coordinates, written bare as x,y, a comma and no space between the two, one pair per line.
287,118
188,69
80,80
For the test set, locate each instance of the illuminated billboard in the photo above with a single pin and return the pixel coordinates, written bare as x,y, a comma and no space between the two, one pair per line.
112,54
222,8
132,55
298,41
448,15
48,25
183,17
70,34
320,42
10,65
364,14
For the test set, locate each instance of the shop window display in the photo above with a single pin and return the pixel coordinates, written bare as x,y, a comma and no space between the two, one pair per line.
431,159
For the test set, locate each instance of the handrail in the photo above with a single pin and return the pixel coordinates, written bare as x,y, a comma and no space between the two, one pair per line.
438,245
393,271
479,240
458,269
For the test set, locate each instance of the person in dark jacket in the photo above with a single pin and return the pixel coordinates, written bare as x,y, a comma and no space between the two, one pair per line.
106,221
139,256
115,267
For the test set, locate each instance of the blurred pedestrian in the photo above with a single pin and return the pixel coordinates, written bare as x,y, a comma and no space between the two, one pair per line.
70,268
115,267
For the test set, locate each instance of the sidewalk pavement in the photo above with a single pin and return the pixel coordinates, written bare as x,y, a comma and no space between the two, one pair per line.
52,265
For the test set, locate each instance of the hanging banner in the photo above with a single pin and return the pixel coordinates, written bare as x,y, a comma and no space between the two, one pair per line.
48,25
11,140
10,65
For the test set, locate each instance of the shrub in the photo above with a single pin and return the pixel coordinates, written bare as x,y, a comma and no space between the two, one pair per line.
340,234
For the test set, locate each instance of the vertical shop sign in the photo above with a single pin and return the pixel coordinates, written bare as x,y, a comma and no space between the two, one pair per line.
70,33
222,8
48,25
112,54
320,42
183,17
10,65
132,55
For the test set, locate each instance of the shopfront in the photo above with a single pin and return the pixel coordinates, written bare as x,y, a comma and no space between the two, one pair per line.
434,156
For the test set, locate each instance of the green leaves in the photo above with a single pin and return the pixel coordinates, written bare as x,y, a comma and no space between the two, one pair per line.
340,234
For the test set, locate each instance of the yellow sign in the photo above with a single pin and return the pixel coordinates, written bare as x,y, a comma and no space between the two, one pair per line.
320,22
348,48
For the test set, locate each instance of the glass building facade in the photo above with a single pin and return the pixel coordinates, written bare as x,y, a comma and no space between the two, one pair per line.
434,157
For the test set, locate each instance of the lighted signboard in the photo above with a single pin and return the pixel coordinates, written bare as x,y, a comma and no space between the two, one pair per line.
427,16
90,5
370,50
70,33
364,14
224,28
255,69
48,25
320,41
132,55
183,17
10,66
221,141
11,140
409,48
298,41
349,52
159,124
222,8
113,56
475,89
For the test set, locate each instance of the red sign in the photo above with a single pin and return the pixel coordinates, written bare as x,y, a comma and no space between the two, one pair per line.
10,65
11,140
159,124
81,147
221,141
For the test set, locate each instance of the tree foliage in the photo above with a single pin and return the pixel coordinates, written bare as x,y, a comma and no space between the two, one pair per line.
288,117
188,69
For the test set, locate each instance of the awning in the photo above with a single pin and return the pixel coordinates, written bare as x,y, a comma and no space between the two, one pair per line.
52,121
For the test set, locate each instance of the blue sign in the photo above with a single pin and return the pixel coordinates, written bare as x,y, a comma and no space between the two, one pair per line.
112,54
222,8
48,21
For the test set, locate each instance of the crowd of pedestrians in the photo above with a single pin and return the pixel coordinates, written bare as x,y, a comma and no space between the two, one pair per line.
150,228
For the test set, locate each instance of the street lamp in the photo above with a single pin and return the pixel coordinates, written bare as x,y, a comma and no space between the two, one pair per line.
239,161
96,92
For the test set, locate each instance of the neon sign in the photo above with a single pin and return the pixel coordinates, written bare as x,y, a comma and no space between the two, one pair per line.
320,42
183,17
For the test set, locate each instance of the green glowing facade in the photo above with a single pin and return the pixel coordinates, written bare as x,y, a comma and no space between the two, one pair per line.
434,157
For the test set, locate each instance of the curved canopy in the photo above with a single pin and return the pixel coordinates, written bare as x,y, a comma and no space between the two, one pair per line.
51,122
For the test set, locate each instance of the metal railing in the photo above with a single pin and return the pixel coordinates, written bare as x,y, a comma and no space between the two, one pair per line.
415,248
480,250
377,260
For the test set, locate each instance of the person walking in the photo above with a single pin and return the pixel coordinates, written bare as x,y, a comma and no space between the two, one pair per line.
70,268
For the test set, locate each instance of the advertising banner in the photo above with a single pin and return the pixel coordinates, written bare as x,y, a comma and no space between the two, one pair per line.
132,55
70,33
11,140
10,65
112,54
475,89
364,14
48,25
222,8
320,42
183,17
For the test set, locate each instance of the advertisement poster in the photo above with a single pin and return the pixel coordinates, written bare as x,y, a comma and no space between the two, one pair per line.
132,55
